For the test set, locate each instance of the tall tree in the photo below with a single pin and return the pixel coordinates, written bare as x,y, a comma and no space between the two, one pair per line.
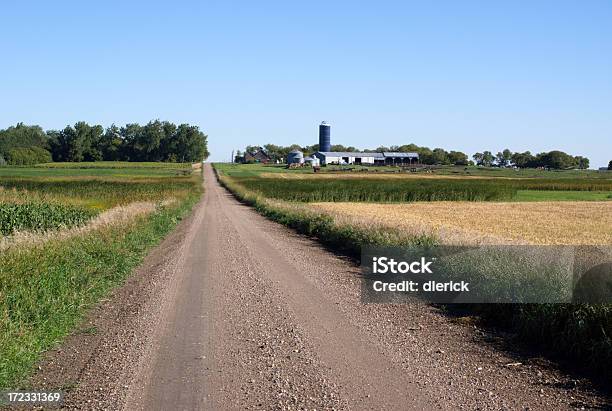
503,158
522,160
487,158
458,158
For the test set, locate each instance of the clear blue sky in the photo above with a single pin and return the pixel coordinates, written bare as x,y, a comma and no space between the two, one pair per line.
464,75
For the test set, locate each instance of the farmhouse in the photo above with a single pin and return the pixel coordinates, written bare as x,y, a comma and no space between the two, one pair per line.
258,156
384,158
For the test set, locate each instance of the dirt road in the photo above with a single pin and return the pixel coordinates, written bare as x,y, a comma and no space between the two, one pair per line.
236,312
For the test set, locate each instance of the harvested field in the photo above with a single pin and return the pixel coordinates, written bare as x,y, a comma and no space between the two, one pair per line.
470,222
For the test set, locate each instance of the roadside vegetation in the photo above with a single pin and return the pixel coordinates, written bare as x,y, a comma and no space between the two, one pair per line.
67,238
577,332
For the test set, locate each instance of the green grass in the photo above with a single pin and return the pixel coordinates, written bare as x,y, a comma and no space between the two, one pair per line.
103,172
539,195
250,170
115,164
254,170
46,288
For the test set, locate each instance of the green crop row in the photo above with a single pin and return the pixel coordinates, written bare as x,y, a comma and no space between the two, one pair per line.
40,217
379,190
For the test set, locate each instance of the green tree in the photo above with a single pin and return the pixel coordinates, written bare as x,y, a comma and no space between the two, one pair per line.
610,165
111,144
21,156
458,158
503,158
22,136
191,144
581,162
78,143
487,158
522,160
439,156
556,159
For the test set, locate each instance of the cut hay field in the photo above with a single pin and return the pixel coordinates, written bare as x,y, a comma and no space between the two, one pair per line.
563,222
67,236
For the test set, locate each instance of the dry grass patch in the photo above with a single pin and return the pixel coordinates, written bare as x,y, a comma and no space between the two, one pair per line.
490,223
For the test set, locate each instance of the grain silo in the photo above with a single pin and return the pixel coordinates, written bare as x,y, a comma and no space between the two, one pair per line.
325,137
295,157
312,161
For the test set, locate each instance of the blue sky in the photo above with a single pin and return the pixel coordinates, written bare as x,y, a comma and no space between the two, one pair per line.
464,75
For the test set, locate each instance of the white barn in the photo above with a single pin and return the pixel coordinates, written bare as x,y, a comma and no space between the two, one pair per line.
386,158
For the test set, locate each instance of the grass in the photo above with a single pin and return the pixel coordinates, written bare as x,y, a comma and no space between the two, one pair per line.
540,195
577,332
47,286
63,170
115,165
250,170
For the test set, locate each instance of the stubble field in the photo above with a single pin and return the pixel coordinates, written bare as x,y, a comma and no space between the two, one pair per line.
462,222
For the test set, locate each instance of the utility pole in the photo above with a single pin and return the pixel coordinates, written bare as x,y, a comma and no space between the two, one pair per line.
232,159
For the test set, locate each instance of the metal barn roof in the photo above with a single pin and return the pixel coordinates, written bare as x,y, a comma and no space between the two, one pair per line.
374,155
348,154
403,155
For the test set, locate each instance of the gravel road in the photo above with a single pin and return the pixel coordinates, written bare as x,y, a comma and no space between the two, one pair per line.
233,311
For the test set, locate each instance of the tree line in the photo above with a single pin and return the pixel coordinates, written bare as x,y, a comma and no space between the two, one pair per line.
553,159
438,156
156,141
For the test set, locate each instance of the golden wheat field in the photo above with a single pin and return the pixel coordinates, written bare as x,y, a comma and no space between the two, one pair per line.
491,223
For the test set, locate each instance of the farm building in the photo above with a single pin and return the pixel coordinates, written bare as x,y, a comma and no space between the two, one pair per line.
295,157
313,161
385,158
258,156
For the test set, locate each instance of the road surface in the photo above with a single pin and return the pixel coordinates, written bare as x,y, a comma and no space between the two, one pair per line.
233,311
